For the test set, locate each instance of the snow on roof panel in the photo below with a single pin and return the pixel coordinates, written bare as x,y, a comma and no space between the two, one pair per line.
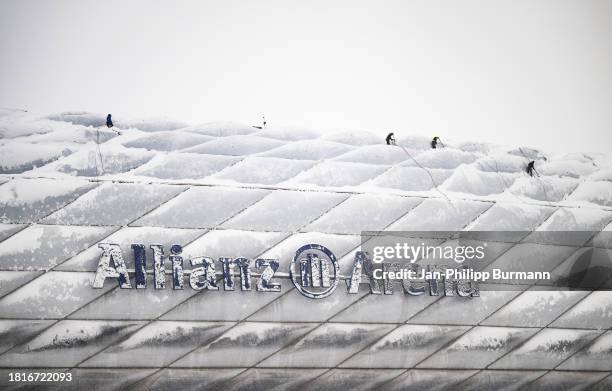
577,219
448,310
264,170
353,379
285,211
230,349
168,141
87,260
511,217
187,379
363,212
327,345
440,215
483,344
263,378
597,355
67,343
20,157
568,380
98,119
405,347
566,168
34,247
548,189
500,380
17,123
6,230
157,344
11,280
131,304
114,204
220,129
599,193
547,349
94,161
338,174
52,295
218,308
289,133
425,379
469,180
202,207
235,243
374,154
414,142
594,311
411,178
535,308
374,308
604,174
235,146
309,150
16,332
293,307
447,158
338,244
501,162
353,137
28,200
587,268
181,166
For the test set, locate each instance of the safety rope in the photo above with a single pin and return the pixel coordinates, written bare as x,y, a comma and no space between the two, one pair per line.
99,154
428,173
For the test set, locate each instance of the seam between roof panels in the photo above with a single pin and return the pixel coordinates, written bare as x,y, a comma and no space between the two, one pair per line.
331,190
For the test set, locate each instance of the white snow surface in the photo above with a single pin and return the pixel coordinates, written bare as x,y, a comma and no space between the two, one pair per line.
78,144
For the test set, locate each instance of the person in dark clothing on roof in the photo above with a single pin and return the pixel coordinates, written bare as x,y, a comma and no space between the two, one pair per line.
390,139
109,121
435,142
531,168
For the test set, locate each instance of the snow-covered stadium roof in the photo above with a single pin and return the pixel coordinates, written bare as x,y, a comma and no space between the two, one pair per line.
262,193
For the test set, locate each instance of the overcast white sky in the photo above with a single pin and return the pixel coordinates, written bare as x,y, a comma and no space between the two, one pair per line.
515,72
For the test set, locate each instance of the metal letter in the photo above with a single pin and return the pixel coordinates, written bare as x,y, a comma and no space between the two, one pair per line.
159,270
105,270
265,283
363,262
177,267
207,270
140,265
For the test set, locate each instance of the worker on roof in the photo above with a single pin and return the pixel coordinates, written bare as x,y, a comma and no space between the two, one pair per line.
436,143
531,169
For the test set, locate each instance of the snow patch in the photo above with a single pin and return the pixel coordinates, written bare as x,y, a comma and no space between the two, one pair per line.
236,145
309,150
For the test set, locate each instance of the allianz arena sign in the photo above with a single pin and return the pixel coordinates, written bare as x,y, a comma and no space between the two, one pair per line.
314,271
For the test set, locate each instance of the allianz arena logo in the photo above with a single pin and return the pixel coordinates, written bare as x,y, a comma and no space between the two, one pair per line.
314,272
